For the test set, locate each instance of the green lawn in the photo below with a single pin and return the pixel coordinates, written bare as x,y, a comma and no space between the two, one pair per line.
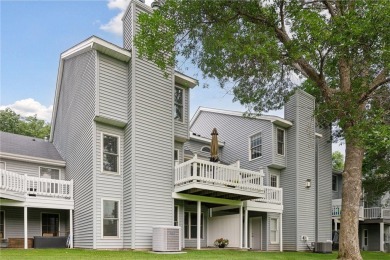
191,254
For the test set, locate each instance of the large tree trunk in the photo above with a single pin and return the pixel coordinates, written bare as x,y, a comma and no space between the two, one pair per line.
352,191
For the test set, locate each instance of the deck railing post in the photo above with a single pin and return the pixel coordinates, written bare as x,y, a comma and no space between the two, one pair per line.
71,189
25,189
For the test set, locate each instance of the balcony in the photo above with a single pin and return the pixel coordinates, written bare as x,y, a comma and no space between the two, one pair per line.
377,213
336,209
200,177
23,190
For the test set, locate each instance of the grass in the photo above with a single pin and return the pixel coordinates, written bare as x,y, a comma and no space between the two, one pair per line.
225,254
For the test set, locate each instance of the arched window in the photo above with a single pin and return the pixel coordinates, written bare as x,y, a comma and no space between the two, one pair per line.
205,149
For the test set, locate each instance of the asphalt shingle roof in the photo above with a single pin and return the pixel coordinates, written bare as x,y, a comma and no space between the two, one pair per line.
28,146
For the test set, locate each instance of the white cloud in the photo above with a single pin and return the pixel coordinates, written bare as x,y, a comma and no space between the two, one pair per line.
30,107
115,24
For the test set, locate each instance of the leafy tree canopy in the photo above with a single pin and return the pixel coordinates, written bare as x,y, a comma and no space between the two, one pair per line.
339,48
30,126
338,161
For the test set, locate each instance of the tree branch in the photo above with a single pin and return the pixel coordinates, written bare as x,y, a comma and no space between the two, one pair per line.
281,11
381,79
330,8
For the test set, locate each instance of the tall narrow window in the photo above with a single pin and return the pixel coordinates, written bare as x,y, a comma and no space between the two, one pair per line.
50,224
274,181
280,137
176,156
334,182
110,218
178,104
274,234
365,237
190,225
49,173
176,216
110,153
255,146
2,223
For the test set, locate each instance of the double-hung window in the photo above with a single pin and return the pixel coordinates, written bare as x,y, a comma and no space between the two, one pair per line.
190,225
110,153
334,182
49,173
274,231
179,104
274,181
255,146
110,218
280,139
50,224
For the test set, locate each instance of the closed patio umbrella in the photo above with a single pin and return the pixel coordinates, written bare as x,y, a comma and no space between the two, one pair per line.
214,146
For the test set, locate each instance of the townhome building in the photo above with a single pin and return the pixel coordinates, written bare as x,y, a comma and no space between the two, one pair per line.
121,160
374,218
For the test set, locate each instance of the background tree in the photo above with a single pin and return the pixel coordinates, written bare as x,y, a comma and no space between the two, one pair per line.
340,48
30,126
337,161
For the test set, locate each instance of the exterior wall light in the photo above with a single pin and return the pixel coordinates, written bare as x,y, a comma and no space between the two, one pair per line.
308,183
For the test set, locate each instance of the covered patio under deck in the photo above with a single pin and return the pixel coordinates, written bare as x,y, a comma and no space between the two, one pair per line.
27,192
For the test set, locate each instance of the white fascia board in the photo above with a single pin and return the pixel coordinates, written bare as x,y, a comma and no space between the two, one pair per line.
204,140
185,80
273,119
25,158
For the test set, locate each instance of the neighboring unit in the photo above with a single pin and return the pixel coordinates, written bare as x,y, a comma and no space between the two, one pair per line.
374,218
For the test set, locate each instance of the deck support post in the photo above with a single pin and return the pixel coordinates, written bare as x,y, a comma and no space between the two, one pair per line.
335,224
199,214
381,236
25,228
246,228
281,232
241,216
70,228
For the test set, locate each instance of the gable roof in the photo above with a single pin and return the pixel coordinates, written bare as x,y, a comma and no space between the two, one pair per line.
273,119
26,148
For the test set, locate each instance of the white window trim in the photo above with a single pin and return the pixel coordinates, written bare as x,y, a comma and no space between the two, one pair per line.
183,105
4,224
5,165
189,226
48,167
102,219
249,146
337,183
177,211
364,237
277,231
284,142
102,152
277,180
59,221
178,156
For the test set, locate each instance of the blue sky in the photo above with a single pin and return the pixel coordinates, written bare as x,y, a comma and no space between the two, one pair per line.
35,33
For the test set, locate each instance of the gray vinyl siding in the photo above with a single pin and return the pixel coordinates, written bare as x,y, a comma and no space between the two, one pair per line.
278,159
128,170
31,169
152,150
112,80
272,246
196,147
181,127
192,243
236,131
14,221
108,187
324,194
73,137
299,201
180,205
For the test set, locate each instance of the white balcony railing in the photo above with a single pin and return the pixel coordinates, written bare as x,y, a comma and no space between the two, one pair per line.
34,186
377,213
272,196
205,172
336,209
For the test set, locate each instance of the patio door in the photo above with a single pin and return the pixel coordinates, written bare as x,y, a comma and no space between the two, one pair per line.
255,237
